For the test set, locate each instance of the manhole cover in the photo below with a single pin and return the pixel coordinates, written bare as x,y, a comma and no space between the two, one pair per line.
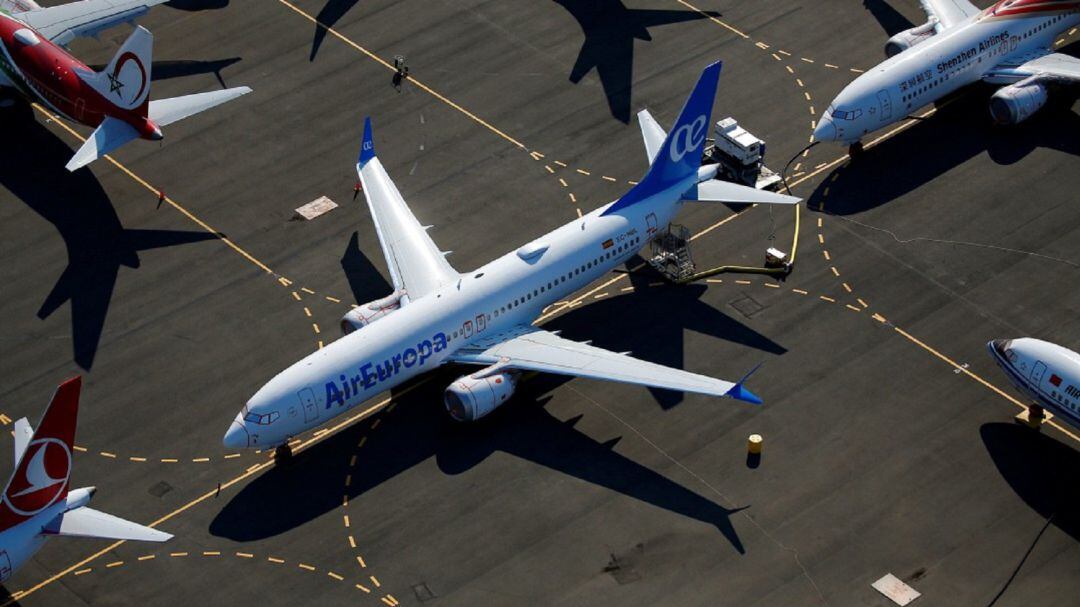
747,306
422,592
160,488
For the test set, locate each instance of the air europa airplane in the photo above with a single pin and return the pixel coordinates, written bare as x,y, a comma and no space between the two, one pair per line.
38,501
116,100
1007,44
436,315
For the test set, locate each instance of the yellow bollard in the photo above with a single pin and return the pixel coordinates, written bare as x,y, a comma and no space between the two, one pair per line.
753,444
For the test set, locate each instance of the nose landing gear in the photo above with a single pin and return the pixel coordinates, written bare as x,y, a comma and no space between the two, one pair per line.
283,454
855,150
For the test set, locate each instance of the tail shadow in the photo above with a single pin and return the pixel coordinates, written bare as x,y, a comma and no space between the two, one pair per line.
331,13
890,19
365,281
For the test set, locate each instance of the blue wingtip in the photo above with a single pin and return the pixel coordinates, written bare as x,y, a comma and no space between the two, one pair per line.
367,148
739,391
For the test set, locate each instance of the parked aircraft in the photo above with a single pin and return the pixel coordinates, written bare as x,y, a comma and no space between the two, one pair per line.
1047,373
37,502
1008,43
115,100
436,315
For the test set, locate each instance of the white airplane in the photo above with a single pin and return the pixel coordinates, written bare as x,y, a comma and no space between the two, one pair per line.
1008,43
37,502
436,315
1047,373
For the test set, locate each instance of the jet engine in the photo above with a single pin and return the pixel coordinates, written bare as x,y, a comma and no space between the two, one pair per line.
1017,102
364,315
473,396
909,38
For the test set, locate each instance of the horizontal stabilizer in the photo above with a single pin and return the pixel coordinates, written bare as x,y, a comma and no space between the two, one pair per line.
110,135
87,522
715,190
167,111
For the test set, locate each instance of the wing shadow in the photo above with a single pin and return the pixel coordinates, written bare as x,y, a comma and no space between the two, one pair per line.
331,13
610,30
888,17
78,207
365,281
901,165
1043,472
286,497
650,322
197,5
165,70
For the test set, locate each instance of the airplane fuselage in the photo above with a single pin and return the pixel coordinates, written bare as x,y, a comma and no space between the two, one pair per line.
940,65
509,291
1047,373
45,73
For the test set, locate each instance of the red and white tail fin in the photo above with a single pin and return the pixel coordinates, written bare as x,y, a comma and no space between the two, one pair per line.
126,80
42,474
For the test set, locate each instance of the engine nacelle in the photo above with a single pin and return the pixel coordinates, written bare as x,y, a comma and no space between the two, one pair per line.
1017,102
909,38
473,396
364,315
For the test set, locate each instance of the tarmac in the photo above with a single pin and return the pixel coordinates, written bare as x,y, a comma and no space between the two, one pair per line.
889,444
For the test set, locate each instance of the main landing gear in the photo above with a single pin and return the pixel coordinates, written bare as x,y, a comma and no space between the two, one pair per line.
855,150
283,454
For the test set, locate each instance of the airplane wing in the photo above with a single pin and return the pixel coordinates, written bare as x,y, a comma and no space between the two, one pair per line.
62,24
23,433
416,264
1054,66
87,522
948,12
528,348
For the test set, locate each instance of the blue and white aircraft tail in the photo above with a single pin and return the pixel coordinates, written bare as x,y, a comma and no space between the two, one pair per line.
437,315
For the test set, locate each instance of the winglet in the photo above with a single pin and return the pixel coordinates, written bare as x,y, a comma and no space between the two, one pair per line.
739,391
367,148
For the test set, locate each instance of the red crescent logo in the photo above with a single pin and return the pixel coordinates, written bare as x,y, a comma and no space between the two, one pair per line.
142,70
41,477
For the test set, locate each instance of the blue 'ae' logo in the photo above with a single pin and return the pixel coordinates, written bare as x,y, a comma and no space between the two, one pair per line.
373,374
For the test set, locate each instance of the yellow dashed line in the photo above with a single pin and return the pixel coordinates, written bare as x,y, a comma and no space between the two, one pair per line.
853,308
604,294
878,317
147,557
375,424
626,289
307,311
284,281
363,439
385,600
346,517
232,455
819,222
861,302
320,344
573,198
169,460
306,566
137,459
114,564
790,71
605,177
333,299
807,60
562,164
549,169
743,282
761,45
211,553
835,271
334,575
352,542
274,559
82,571
375,581
772,285
563,182
831,66
583,172
109,455
361,587
360,560
856,71
307,290
821,238
315,327
5,419
245,555
177,554
777,57
847,287
296,296
200,460
826,254
826,298
800,292
785,53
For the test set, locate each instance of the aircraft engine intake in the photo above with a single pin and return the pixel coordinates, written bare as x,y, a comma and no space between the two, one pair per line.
473,396
1017,102
909,38
364,315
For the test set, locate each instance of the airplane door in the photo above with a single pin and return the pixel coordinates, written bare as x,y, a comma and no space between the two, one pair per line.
80,108
5,565
466,329
481,323
650,223
1037,373
885,103
307,403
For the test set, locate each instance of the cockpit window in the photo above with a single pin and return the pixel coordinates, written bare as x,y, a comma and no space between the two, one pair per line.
263,420
846,114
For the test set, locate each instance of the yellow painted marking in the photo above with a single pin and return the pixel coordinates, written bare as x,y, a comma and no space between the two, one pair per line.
626,289
826,254
82,571
713,19
539,154
245,555
385,600
861,302
137,459
211,553
800,292
114,564
307,290
346,517
847,287
364,589
856,71
320,432
393,601
284,281
375,424
5,419
743,282
878,317
829,65
296,296
820,166
345,500
199,460
232,456
352,460
600,295
177,554
573,198
777,57
783,52
254,468
631,182
147,557
348,480
274,559
391,407
333,299
835,271
799,82
307,311
605,177
584,172
819,222
798,165
360,559
315,327
772,285
352,542
579,213
761,45
807,95
375,580
169,460
107,454
813,124
851,307
560,163
807,60
363,439
821,238
320,344
563,182
334,575
306,566
549,169
826,298
534,155
812,112
790,71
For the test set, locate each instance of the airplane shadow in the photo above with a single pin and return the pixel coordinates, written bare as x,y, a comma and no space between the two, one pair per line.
365,281
286,497
610,30
901,164
1043,472
331,13
197,5
657,316
890,19
165,70
78,207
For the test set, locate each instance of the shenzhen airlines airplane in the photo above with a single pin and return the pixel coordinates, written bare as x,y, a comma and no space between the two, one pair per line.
37,502
1045,372
436,315
1007,44
116,100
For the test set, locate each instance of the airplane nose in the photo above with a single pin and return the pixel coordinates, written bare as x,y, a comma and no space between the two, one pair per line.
236,437
825,130
1000,345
